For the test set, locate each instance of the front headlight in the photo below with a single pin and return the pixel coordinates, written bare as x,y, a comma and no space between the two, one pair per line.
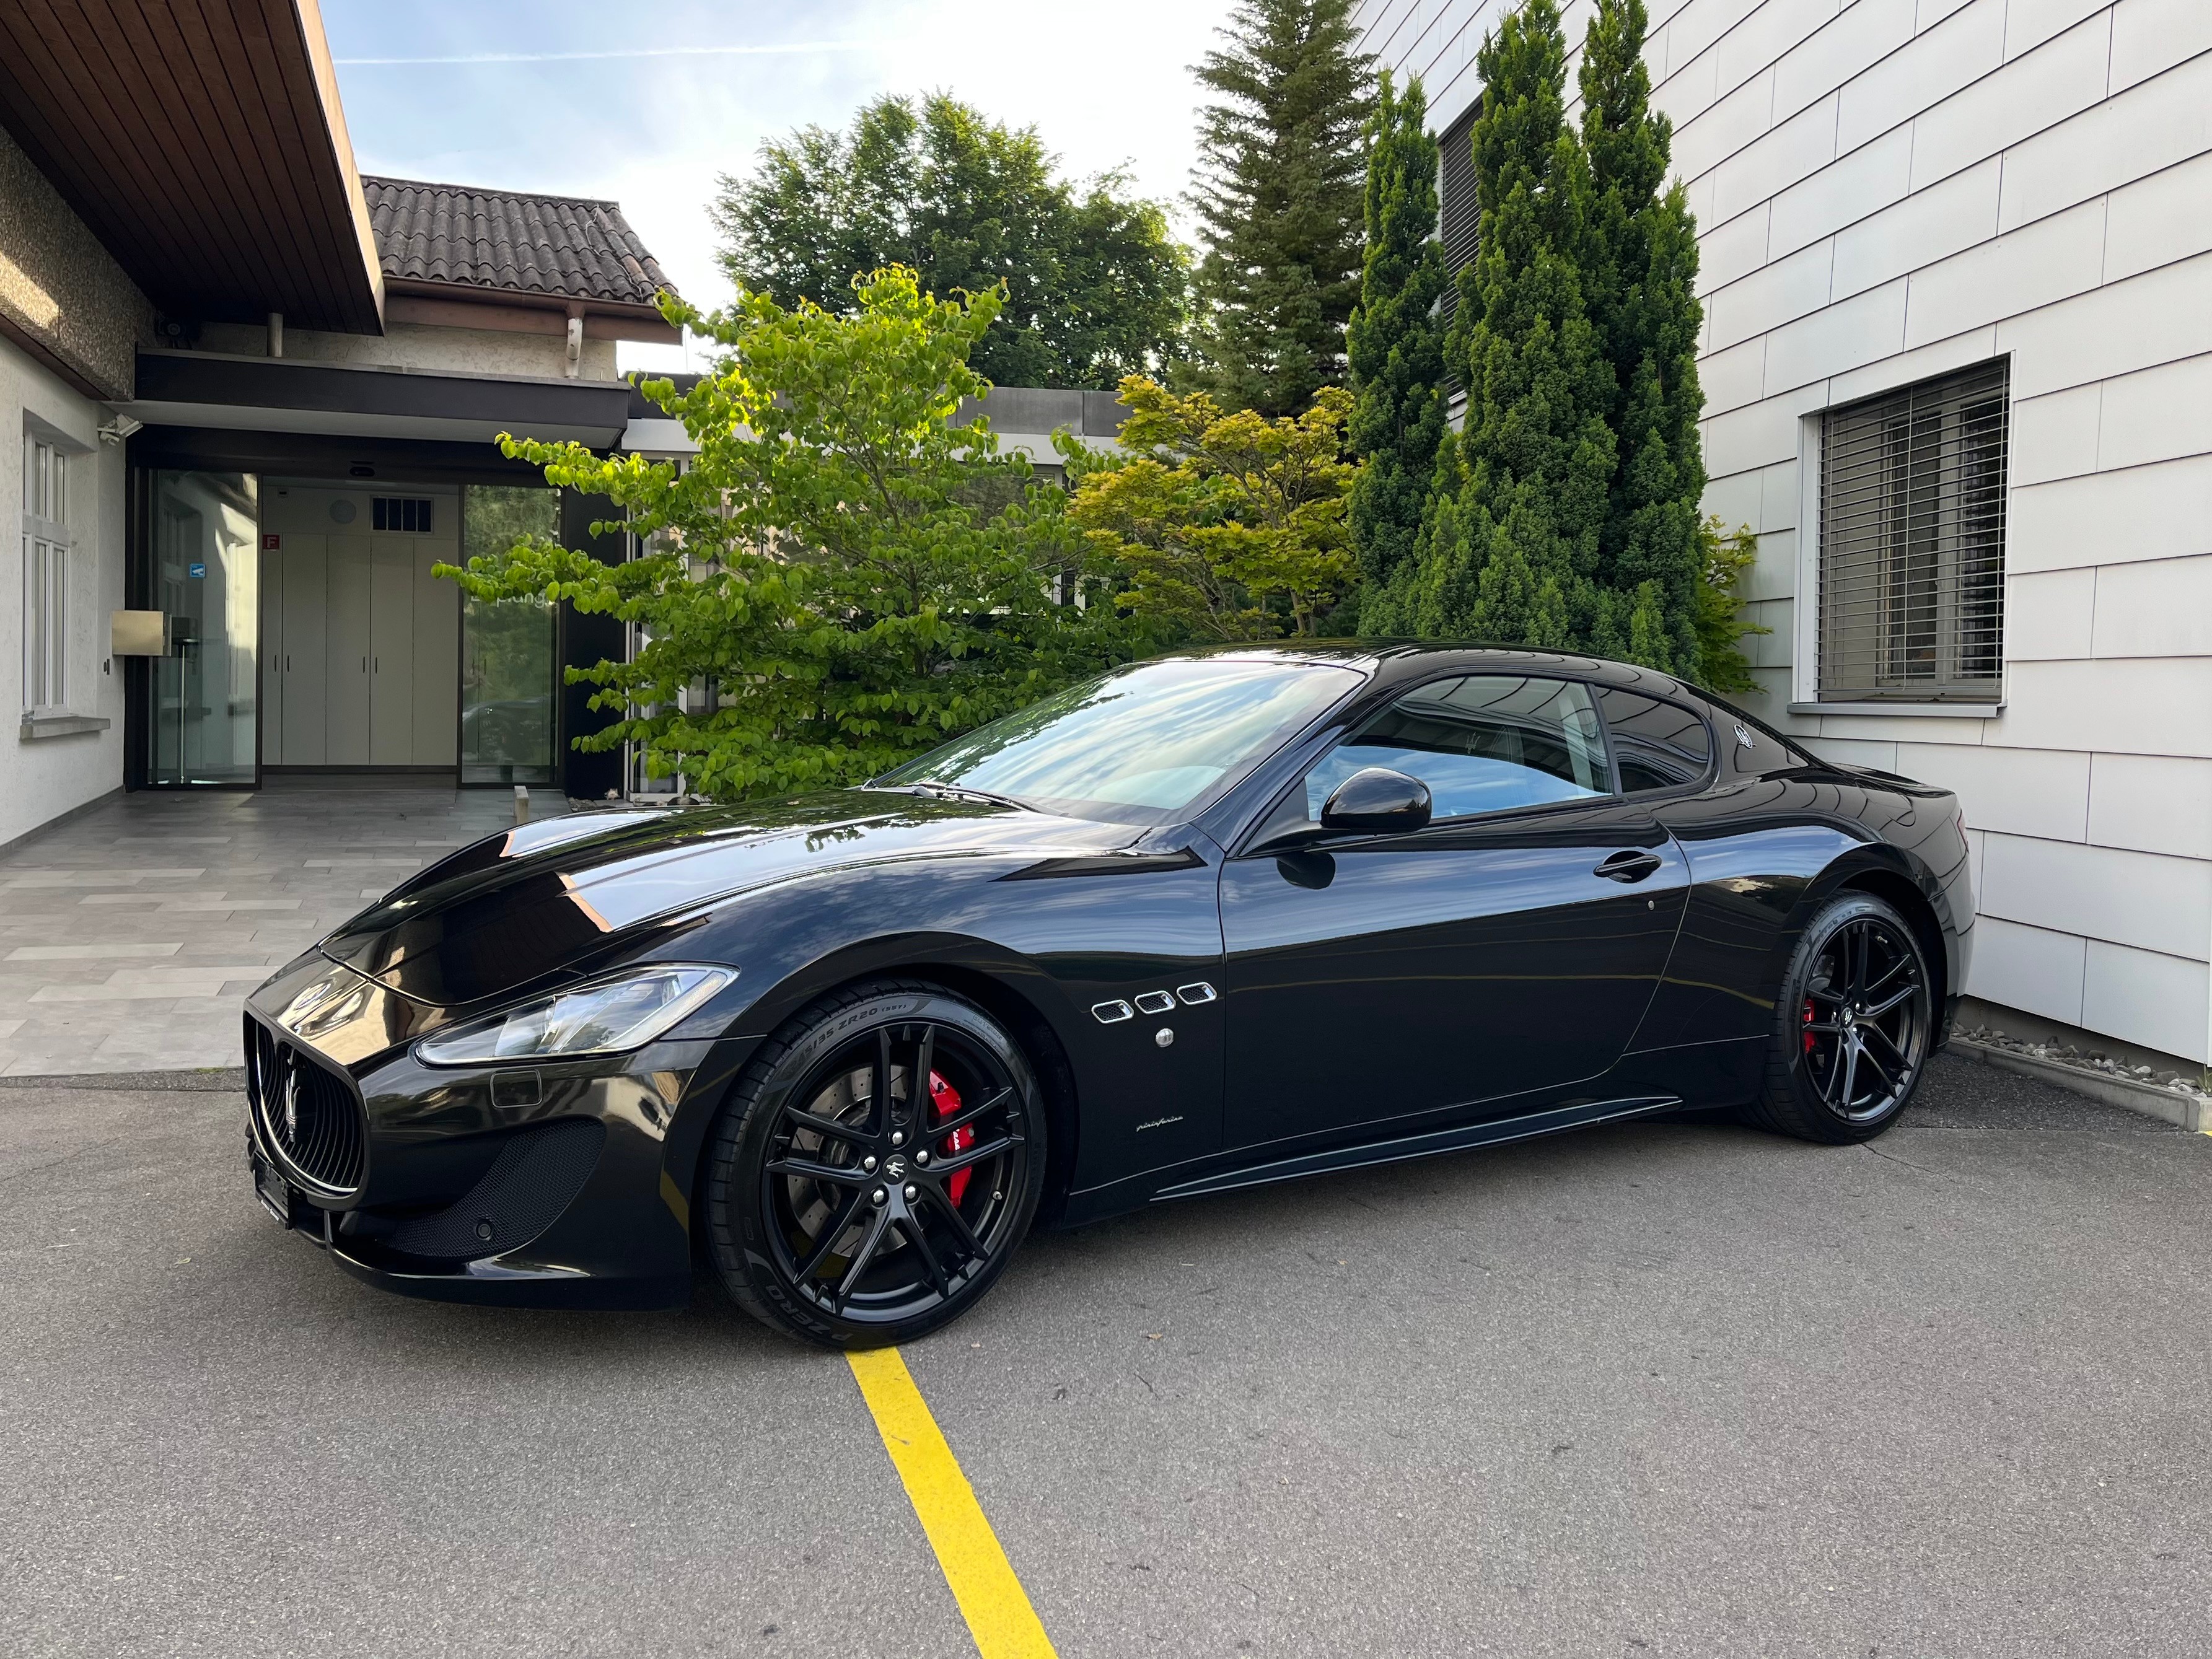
605,1017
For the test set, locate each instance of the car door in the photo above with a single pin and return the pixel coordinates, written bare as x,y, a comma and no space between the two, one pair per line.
1510,947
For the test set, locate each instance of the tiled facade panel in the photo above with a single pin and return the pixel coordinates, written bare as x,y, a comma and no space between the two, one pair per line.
1888,189
2030,968
2146,900
2143,997
2153,802
2160,511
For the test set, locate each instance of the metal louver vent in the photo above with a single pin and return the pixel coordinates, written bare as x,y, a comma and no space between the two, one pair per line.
1912,528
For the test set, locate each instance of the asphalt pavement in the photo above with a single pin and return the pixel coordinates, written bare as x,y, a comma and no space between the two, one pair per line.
1666,1388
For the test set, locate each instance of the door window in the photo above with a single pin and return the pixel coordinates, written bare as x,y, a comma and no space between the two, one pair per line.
1483,743
1658,745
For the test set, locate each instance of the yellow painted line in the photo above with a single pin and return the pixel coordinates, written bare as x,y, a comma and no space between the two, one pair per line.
991,1598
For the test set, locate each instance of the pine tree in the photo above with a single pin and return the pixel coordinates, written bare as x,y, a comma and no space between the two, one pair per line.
1510,544
1393,342
1640,268
1278,197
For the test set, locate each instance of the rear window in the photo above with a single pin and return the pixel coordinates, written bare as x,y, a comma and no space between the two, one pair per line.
1750,748
1656,745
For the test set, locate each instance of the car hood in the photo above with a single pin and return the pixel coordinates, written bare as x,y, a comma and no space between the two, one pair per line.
566,893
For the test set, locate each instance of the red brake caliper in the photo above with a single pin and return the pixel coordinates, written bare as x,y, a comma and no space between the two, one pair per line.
1808,1020
946,1099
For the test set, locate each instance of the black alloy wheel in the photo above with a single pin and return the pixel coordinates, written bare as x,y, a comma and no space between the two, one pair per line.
1855,1026
876,1167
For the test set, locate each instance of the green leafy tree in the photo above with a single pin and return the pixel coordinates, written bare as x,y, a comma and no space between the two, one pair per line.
1278,197
1094,286
1224,526
840,579
1726,560
1393,343
1511,542
1639,278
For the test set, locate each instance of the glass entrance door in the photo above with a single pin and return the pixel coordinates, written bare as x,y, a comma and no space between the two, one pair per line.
507,646
207,579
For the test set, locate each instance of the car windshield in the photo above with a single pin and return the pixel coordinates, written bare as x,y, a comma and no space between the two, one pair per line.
1141,745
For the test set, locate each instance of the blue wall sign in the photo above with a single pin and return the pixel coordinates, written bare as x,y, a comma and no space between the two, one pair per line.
196,571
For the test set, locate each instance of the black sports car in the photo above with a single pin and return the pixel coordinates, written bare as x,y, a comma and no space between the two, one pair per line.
1223,918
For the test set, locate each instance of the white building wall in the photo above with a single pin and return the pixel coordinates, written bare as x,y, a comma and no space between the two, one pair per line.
1889,189
44,776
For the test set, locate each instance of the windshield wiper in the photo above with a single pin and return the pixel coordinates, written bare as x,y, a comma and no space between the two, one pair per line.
961,791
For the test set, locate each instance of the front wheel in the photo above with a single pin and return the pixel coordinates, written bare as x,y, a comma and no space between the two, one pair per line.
1854,1026
876,1166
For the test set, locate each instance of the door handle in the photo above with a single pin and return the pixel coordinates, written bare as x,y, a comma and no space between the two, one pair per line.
1628,865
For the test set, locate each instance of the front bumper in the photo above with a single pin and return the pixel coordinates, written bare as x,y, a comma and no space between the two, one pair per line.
550,1185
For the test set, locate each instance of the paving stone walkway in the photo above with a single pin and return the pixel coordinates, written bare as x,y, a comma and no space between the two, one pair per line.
129,936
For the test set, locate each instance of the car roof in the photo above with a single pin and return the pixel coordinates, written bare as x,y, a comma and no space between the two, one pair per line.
1395,662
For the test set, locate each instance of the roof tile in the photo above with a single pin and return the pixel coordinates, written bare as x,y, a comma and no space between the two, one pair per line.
574,248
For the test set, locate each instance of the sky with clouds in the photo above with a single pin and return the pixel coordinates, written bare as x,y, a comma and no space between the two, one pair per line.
647,104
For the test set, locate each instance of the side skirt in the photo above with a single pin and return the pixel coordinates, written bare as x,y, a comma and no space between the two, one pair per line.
1494,1133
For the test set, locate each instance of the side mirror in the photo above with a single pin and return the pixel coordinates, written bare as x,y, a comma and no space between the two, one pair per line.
1376,797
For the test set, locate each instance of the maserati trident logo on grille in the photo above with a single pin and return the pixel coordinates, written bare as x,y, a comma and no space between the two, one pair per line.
292,1106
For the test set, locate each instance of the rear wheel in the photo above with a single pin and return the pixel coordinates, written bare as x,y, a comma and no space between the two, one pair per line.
1854,1026
876,1167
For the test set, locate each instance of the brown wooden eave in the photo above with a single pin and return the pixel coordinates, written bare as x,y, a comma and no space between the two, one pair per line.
201,141
462,304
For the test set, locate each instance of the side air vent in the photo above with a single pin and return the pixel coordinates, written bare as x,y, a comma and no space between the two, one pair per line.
308,1114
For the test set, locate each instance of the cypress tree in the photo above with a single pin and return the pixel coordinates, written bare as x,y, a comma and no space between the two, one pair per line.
1393,342
1278,196
1510,544
1640,268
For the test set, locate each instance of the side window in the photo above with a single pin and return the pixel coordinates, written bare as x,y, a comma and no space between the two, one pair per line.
1658,745
1487,742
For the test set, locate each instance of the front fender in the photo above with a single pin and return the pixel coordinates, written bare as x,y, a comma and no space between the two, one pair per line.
1040,952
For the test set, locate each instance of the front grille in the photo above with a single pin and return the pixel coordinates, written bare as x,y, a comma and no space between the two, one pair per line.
307,1112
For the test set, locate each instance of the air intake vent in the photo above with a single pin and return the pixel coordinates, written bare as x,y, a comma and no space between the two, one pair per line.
408,515
308,1114
529,1184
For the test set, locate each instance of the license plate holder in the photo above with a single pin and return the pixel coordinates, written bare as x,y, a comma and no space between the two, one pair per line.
275,1194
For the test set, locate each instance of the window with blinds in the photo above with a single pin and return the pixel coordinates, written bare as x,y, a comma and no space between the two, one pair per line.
1459,218
1912,525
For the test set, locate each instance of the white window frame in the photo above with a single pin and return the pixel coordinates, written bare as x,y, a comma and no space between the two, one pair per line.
51,464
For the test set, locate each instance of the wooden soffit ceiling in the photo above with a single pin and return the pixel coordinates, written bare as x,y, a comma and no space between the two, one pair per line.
203,142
